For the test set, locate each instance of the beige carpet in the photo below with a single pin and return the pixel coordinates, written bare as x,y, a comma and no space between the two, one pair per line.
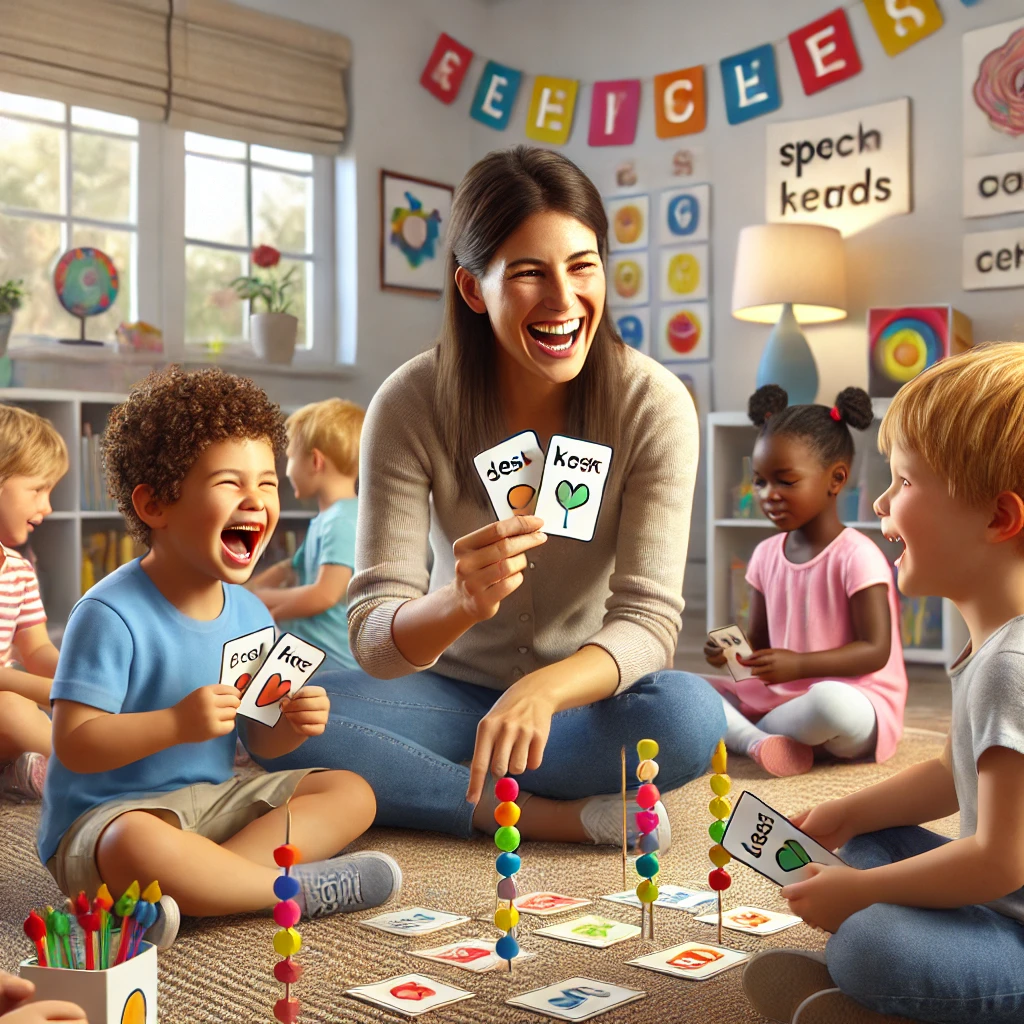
223,972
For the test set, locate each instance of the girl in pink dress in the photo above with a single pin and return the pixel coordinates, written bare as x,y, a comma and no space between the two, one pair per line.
824,613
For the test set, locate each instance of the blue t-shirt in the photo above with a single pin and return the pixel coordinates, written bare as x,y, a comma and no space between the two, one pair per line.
331,540
127,649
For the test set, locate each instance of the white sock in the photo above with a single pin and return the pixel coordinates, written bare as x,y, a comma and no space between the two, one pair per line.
740,733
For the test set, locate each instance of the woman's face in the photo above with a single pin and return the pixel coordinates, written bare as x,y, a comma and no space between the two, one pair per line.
544,295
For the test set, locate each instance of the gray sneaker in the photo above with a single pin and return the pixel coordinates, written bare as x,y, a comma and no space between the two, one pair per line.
352,881
832,1007
778,981
164,930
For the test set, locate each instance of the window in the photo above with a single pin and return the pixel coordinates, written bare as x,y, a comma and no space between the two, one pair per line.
68,177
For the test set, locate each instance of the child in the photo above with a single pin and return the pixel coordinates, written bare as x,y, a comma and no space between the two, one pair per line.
33,458
140,785
14,1010
929,928
824,614
306,594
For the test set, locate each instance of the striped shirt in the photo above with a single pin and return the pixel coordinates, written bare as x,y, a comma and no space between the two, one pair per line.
20,604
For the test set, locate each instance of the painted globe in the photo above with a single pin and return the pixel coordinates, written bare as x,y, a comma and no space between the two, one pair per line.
86,282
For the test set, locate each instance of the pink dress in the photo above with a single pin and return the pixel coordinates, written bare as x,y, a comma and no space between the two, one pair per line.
808,609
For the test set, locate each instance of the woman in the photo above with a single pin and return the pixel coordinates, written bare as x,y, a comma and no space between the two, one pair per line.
514,653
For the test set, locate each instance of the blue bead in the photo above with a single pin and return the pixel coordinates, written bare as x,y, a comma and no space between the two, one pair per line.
507,864
506,947
286,887
649,843
647,865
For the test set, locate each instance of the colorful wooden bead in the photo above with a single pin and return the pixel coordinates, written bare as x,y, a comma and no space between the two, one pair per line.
287,1010
287,942
507,864
287,913
649,843
287,972
717,831
507,889
720,807
647,796
506,947
286,887
720,784
647,865
506,918
507,838
646,891
286,856
506,789
719,880
719,759
647,749
646,821
719,856
506,813
647,771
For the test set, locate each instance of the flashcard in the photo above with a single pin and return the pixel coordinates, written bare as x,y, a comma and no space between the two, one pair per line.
770,843
591,930
576,999
627,279
683,334
733,641
694,961
544,904
286,670
475,955
753,920
628,222
243,657
414,921
409,994
572,487
684,273
634,327
672,897
511,473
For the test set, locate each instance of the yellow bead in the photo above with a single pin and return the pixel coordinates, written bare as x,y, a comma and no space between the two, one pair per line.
647,749
506,918
646,891
719,759
287,942
506,814
647,771
720,807
720,784
718,856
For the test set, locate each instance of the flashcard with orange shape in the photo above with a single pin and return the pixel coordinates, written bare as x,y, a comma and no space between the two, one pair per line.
544,904
476,955
286,670
753,920
409,994
243,657
695,961
628,284
628,222
511,473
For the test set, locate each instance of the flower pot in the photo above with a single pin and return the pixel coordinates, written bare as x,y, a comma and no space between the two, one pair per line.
273,336
6,320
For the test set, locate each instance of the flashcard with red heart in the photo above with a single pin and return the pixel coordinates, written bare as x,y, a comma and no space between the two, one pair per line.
242,657
285,671
543,904
409,994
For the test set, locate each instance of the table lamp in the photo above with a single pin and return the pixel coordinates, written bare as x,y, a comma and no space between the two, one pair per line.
789,274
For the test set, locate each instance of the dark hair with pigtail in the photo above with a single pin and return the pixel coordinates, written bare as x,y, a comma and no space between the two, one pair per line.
825,430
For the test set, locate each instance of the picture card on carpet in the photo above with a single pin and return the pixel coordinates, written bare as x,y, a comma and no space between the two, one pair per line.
591,930
753,920
287,669
544,904
475,955
673,897
414,921
409,994
576,999
695,961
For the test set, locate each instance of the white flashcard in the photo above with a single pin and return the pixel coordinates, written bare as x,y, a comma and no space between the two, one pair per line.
672,897
544,904
695,961
511,473
243,657
571,490
684,215
770,843
753,920
591,930
409,994
628,284
414,921
475,955
733,642
286,670
576,999
628,222
684,273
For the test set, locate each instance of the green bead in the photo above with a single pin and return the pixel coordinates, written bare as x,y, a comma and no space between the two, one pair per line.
717,831
507,838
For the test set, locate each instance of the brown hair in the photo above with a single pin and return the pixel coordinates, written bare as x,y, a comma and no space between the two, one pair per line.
494,198
168,420
332,427
30,446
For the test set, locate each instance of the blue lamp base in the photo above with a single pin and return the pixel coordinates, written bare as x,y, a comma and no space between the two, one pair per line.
787,361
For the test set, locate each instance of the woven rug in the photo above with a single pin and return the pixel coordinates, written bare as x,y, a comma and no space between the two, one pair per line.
222,971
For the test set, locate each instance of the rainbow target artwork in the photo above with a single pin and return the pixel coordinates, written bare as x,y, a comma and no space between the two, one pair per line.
414,216
906,340
86,282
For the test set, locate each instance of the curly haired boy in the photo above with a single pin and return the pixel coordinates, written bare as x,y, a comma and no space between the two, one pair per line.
140,783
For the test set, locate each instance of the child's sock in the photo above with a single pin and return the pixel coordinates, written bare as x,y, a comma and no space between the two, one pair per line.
777,755
352,881
740,732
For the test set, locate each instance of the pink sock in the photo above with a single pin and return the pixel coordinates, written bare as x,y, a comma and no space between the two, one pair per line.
782,756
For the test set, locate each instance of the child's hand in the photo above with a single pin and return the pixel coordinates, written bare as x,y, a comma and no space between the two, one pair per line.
774,665
714,655
13,993
206,713
828,823
307,711
828,897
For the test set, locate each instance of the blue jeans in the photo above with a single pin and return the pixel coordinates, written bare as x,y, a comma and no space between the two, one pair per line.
946,966
407,737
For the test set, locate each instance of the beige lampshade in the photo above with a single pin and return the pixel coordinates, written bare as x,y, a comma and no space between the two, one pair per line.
802,264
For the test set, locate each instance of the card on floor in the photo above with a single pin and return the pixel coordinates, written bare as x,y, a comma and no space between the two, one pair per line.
694,961
733,641
572,487
511,473
413,921
543,904
753,920
409,994
673,897
770,843
475,955
286,670
243,657
591,930
576,999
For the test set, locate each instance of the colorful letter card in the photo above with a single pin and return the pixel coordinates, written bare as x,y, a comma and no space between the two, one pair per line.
242,657
475,955
446,68
684,273
695,961
511,473
495,95
684,215
753,920
679,105
751,84
672,897
769,843
551,109
409,994
591,930
286,670
576,999
825,52
628,220
901,23
544,904
414,921
733,642
571,490
614,110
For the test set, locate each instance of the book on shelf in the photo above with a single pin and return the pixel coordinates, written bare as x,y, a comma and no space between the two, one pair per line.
94,482
103,551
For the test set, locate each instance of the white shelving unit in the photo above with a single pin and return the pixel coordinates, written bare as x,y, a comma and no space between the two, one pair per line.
730,436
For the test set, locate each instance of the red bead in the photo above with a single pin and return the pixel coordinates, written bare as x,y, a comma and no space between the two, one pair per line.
287,1010
506,789
647,796
287,972
719,879
286,856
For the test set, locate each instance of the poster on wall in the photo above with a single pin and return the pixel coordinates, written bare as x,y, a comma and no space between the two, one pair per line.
414,217
634,327
848,170
993,259
684,333
628,222
668,164
628,283
684,215
683,273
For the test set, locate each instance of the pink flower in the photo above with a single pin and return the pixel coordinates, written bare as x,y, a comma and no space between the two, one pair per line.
266,256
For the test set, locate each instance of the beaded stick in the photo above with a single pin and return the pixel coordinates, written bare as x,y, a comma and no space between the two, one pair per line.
506,839
623,817
286,914
720,808
647,822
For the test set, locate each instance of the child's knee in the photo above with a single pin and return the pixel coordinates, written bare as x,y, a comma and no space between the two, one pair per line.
15,709
129,835
354,794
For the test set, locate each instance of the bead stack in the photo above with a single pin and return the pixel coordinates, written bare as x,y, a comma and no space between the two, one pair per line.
720,808
647,822
506,838
287,941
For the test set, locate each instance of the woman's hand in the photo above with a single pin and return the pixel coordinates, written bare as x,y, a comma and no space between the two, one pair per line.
489,563
829,823
828,896
775,665
713,654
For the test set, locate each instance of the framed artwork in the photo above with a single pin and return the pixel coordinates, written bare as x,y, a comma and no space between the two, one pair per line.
413,220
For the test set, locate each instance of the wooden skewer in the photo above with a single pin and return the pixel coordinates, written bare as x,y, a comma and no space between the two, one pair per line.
623,818
719,916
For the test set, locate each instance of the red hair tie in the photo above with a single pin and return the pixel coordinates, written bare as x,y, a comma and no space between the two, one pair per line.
836,414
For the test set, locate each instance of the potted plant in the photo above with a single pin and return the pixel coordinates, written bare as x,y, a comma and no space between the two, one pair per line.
11,295
273,330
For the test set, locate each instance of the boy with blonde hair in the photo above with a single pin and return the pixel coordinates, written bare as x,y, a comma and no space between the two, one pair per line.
33,458
929,928
306,594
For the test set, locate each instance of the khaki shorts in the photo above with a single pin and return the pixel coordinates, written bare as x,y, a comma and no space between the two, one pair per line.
215,811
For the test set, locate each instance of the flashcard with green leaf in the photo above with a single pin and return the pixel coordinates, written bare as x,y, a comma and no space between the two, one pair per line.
572,487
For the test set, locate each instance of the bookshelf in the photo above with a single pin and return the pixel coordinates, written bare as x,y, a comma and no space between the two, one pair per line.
731,539
62,539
